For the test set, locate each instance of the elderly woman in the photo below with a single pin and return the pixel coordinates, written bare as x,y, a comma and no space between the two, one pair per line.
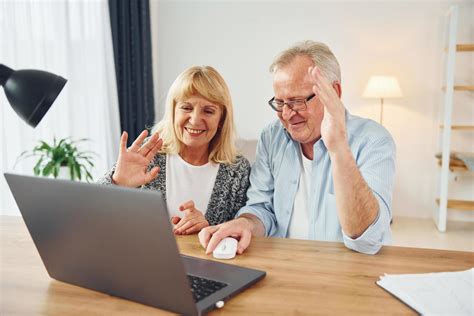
191,156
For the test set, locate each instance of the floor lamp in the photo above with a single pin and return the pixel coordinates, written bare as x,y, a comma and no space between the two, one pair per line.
382,87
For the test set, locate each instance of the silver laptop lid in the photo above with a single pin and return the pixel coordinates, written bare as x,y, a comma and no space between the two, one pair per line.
85,234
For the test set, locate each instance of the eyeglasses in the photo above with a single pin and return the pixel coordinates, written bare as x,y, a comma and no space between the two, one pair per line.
295,105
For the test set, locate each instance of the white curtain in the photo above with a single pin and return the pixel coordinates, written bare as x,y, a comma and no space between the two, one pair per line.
72,39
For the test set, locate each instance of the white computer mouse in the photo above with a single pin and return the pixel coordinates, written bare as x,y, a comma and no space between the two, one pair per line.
226,248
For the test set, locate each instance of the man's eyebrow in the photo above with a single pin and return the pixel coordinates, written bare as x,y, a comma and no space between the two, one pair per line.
297,98
292,98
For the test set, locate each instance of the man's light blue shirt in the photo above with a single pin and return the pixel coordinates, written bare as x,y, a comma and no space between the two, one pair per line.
276,172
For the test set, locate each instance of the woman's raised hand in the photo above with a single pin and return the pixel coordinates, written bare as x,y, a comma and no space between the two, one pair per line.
132,163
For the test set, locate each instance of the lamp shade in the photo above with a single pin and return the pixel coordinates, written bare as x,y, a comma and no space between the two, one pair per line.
382,87
30,92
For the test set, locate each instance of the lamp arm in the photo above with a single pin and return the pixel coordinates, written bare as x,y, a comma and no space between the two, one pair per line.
5,73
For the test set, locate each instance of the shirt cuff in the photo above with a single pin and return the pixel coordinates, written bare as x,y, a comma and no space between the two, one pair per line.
262,215
371,240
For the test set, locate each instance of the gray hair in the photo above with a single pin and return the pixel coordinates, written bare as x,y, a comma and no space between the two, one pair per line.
319,53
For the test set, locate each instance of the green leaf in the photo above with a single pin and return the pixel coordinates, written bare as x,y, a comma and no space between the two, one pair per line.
88,152
48,169
67,139
55,170
81,140
70,163
45,146
85,157
78,170
88,174
89,162
36,168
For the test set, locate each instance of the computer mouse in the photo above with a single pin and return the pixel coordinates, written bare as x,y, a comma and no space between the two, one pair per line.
226,248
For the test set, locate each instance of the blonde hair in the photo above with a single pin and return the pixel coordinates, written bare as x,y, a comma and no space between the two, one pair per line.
205,82
319,53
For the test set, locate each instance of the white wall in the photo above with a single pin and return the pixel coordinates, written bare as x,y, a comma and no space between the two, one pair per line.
240,39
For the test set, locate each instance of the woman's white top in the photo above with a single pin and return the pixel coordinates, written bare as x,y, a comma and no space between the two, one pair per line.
186,182
299,223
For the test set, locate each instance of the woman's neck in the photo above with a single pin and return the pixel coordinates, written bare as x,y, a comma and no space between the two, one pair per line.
195,156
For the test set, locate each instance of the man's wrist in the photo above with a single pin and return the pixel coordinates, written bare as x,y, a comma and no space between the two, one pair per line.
252,223
342,151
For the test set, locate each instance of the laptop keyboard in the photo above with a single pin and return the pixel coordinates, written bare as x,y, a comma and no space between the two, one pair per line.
202,288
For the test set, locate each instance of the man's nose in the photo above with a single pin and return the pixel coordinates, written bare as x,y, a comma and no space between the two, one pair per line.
287,112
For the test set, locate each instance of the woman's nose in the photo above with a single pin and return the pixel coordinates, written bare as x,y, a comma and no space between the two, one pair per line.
195,116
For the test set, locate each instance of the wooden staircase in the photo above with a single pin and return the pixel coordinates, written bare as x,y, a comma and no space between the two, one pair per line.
448,161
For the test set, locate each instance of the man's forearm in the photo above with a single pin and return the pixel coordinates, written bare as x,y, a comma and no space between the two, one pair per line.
254,224
356,204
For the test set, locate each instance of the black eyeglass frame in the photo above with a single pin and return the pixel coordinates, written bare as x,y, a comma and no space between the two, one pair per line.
306,100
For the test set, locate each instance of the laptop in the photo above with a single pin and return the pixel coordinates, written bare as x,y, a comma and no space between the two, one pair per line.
119,241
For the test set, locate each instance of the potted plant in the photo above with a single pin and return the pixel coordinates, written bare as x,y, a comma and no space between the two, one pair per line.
61,158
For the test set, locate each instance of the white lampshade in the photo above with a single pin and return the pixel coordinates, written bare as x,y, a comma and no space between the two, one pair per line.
382,87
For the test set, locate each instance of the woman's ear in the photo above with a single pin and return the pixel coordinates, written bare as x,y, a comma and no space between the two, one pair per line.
337,87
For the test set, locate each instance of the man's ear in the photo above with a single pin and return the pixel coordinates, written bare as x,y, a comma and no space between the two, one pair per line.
337,87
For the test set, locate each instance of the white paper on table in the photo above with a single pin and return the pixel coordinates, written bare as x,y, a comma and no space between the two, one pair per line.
441,293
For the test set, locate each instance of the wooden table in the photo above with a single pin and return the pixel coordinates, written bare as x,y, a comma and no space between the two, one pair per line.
303,277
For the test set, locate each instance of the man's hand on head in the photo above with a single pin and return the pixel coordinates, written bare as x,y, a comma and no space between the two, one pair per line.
333,126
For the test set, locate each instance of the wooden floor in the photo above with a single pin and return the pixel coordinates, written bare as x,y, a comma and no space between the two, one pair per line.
422,233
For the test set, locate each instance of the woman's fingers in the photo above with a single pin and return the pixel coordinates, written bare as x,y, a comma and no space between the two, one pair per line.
152,174
186,205
123,142
183,221
185,226
196,228
175,220
192,216
151,154
148,145
137,143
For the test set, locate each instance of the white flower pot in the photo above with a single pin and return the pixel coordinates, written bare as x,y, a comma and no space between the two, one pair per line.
64,173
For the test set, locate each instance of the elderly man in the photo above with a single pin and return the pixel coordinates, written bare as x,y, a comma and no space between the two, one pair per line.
320,173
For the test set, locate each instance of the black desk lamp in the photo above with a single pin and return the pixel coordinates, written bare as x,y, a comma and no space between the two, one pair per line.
30,92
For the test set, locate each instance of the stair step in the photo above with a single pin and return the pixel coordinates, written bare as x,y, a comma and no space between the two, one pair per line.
465,47
460,127
460,204
464,88
455,164
461,88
